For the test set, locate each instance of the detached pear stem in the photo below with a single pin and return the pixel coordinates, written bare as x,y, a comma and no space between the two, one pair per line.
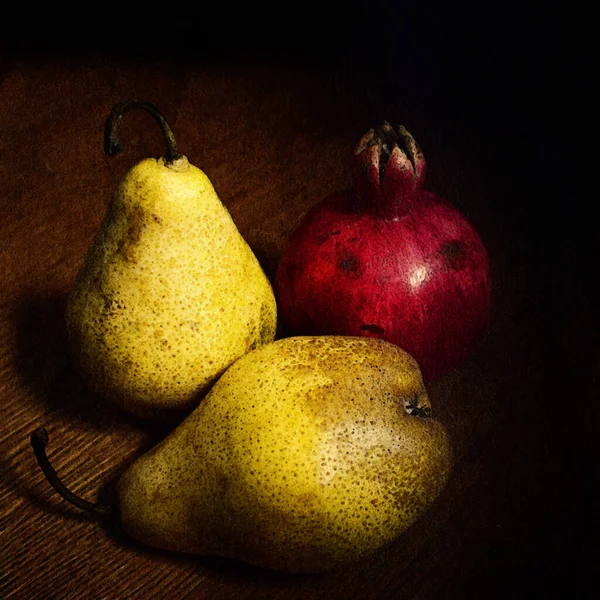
39,439
112,142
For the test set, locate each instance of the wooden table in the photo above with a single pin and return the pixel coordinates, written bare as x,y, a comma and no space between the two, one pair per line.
274,138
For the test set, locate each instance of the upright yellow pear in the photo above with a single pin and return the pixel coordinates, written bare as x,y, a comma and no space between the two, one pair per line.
306,454
170,294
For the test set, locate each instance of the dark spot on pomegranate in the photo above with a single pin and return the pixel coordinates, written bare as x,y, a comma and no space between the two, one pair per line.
453,253
372,329
349,264
353,240
323,237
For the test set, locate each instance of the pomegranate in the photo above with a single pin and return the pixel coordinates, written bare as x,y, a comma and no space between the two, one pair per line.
388,259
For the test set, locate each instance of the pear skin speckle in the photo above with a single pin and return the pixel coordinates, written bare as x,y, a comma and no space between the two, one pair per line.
306,454
170,293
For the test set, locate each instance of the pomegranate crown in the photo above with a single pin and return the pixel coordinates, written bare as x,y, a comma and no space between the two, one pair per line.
388,167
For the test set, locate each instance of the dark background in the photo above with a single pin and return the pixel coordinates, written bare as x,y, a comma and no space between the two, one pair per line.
507,79
513,77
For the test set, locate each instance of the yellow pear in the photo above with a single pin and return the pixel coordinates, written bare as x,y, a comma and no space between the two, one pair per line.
170,294
308,453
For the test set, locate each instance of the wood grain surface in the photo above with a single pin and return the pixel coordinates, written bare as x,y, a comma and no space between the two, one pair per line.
274,136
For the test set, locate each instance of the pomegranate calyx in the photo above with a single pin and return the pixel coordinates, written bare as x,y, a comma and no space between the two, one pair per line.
389,168
414,154
388,144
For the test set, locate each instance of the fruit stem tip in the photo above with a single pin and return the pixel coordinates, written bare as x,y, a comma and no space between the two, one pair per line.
39,440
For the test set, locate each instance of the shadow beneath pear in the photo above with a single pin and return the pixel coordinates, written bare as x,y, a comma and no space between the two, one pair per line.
227,569
237,571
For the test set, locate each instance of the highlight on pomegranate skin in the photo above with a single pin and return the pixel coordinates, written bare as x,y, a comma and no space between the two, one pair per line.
389,259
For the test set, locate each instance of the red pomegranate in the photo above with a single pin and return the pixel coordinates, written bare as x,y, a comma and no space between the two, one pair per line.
388,259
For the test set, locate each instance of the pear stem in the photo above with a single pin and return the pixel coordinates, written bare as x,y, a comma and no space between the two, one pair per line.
112,142
39,439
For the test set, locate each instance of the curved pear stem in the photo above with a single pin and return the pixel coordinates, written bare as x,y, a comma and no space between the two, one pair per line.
39,439
112,142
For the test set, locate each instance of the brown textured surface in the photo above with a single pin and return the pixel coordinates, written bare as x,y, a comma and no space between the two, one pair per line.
273,140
